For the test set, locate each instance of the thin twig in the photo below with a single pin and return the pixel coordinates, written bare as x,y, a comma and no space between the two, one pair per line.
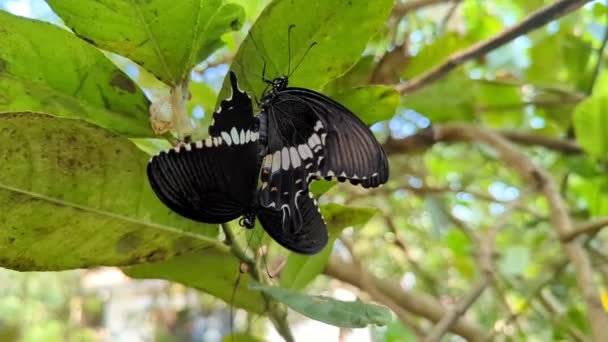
401,9
448,15
427,278
590,227
462,307
531,22
600,58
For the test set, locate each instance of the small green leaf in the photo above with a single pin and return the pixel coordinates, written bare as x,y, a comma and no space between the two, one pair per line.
591,121
44,68
74,195
240,337
338,216
331,24
354,314
385,101
166,37
213,271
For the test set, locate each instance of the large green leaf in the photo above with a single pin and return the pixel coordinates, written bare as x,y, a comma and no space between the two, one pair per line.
591,120
451,99
74,195
213,271
371,103
44,68
302,269
166,37
331,24
328,310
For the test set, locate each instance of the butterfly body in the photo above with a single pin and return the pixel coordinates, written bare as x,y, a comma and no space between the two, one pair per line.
298,136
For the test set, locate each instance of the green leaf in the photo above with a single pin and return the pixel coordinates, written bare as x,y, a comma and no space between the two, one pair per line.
560,57
44,68
331,24
240,337
300,270
328,310
166,37
434,54
591,120
213,271
385,101
448,100
74,195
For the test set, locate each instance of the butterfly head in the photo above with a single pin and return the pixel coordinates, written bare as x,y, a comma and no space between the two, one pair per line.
279,83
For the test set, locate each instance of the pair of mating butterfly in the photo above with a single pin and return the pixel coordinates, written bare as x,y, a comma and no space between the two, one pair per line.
299,136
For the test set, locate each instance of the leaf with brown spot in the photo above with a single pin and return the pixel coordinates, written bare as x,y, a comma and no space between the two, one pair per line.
67,77
69,201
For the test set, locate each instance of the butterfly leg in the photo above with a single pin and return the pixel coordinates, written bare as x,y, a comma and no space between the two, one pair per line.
248,220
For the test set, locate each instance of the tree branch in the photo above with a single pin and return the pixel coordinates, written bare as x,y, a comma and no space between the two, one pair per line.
531,22
423,140
590,227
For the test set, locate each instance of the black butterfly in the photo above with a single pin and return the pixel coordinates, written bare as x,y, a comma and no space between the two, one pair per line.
298,137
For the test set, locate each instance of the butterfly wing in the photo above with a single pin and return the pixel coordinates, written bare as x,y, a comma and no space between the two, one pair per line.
309,237
207,181
213,180
351,150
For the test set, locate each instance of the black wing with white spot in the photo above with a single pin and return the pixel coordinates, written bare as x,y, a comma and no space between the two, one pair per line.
214,180
293,155
234,121
303,232
208,181
350,149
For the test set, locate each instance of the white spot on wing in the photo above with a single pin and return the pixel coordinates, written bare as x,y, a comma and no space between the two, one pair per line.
199,144
330,173
208,142
242,137
295,158
318,126
276,161
305,151
247,136
226,138
234,134
285,158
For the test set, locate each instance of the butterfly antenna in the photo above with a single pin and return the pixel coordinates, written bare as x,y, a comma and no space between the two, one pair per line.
289,48
255,44
301,59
